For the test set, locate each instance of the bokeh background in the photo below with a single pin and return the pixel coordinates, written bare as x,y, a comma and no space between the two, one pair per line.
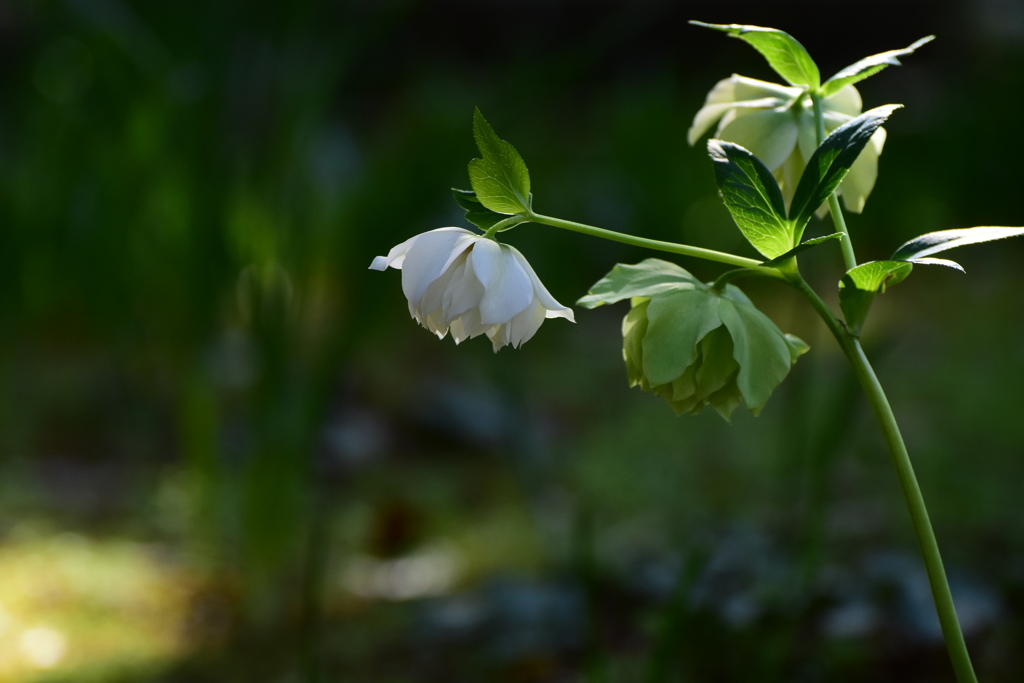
227,453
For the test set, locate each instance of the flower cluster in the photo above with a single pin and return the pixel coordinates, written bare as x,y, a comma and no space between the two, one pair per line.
461,282
776,123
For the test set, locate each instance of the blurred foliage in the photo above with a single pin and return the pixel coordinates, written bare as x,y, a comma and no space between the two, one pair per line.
272,474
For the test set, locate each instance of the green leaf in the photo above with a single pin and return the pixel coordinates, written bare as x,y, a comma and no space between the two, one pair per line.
753,197
787,56
918,249
647,278
858,287
868,66
500,178
832,161
476,213
803,246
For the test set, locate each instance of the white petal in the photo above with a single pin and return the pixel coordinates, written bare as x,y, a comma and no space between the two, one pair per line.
807,133
846,101
554,309
507,287
433,298
468,326
859,182
705,118
464,291
395,257
751,89
525,324
770,134
429,255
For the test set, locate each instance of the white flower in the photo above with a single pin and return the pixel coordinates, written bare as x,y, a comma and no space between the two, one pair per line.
776,123
460,281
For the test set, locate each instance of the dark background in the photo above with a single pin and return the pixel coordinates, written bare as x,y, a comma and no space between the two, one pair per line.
227,454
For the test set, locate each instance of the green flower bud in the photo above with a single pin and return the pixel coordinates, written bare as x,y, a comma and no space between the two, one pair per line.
695,345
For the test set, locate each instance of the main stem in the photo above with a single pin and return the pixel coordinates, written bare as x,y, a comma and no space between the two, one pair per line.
908,483
833,199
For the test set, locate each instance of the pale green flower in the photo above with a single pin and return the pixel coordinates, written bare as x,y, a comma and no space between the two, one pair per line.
776,123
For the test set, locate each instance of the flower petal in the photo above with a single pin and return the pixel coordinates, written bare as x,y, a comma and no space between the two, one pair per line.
507,287
846,101
554,309
433,298
860,180
464,291
428,257
525,324
395,257
770,135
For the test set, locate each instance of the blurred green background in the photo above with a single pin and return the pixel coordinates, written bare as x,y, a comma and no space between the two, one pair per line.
227,453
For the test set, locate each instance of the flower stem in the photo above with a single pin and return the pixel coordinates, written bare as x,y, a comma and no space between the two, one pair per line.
908,483
849,258
658,245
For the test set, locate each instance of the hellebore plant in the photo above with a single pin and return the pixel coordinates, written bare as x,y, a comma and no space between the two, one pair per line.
783,153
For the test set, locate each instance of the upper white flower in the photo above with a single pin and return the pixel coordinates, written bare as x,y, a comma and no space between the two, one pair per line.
460,281
776,123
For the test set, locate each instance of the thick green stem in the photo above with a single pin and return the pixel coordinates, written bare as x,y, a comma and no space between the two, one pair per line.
908,483
658,245
833,200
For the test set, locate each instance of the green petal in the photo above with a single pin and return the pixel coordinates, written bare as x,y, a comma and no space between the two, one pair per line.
759,348
677,321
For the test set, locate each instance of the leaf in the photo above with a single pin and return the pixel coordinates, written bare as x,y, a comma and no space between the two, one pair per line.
753,197
868,66
832,161
936,242
476,213
500,179
647,278
787,56
858,287
803,246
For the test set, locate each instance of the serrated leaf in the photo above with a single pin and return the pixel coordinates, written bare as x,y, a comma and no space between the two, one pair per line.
476,213
859,286
832,161
753,197
500,179
645,279
868,66
803,246
784,53
943,240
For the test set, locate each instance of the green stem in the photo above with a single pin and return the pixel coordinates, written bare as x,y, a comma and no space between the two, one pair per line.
658,245
833,200
908,483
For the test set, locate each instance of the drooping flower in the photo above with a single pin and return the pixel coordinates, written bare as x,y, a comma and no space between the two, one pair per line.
692,344
461,282
776,123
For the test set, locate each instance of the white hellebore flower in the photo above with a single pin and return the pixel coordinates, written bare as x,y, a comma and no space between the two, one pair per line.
776,123
467,283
